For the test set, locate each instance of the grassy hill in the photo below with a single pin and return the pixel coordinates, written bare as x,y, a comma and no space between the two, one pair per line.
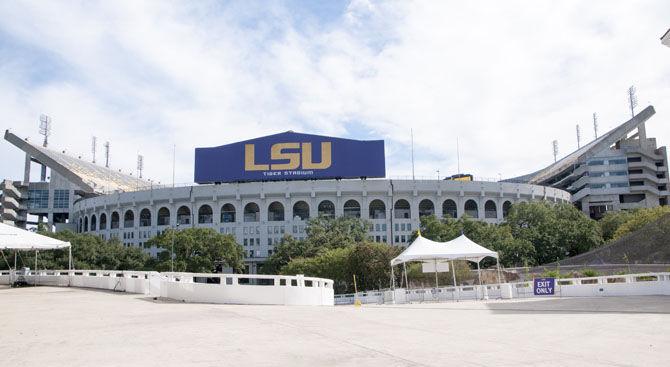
648,245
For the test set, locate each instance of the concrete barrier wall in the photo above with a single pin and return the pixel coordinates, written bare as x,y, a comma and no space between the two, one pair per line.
193,287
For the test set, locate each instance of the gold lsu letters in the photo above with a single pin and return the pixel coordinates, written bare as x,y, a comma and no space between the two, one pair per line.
295,159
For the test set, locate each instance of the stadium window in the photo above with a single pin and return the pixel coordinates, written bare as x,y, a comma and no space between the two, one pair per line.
377,209
617,161
597,186
596,163
596,174
352,209
426,208
61,199
618,173
300,210
205,214
38,199
402,209
634,159
619,184
228,213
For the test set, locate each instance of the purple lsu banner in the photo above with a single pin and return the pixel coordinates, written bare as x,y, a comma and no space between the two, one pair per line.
290,156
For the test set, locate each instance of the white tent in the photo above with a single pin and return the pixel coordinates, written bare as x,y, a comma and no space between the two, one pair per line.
13,238
460,248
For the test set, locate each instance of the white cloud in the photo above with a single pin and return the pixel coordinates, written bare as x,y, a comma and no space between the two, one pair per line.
506,78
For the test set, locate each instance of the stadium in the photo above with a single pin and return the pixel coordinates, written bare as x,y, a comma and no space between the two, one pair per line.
262,189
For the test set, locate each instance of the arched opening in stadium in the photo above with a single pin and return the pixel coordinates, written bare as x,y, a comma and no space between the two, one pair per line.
163,216
85,224
228,213
276,212
471,209
507,205
81,225
377,209
128,219
300,210
490,210
103,221
252,213
426,207
326,209
352,209
205,214
402,209
115,220
183,215
94,223
449,209
145,217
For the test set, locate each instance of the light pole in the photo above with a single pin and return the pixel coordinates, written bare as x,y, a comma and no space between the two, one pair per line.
172,249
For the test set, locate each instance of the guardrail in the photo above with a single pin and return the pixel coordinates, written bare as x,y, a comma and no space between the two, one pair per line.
642,284
191,287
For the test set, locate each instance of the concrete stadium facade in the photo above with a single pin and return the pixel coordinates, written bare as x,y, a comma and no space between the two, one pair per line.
259,214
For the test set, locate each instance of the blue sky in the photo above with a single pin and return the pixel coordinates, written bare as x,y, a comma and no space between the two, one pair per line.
505,78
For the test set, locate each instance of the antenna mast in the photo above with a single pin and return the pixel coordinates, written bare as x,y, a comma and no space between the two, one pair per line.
555,146
595,125
94,142
579,137
106,145
458,156
411,132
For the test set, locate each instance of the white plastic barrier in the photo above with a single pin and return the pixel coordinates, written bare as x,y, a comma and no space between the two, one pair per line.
248,289
646,284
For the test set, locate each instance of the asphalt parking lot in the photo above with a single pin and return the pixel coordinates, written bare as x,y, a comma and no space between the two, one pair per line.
45,326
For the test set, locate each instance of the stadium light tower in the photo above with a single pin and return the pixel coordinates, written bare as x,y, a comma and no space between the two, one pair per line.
554,145
595,125
106,154
140,165
94,141
45,129
632,100
579,137
665,39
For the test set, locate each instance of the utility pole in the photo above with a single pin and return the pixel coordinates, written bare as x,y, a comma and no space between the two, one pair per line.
595,125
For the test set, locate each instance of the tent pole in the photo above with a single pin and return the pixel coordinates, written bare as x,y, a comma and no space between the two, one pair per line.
453,274
69,258
498,266
35,278
392,286
436,285
404,266
479,275
15,252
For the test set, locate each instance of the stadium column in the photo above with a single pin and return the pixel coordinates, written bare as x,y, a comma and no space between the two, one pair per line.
26,170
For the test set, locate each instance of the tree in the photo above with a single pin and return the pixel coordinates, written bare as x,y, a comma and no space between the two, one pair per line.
638,219
88,252
197,250
369,261
611,221
322,234
512,251
287,250
328,233
555,230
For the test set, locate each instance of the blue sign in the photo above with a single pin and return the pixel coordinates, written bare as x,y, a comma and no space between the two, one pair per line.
544,286
290,156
